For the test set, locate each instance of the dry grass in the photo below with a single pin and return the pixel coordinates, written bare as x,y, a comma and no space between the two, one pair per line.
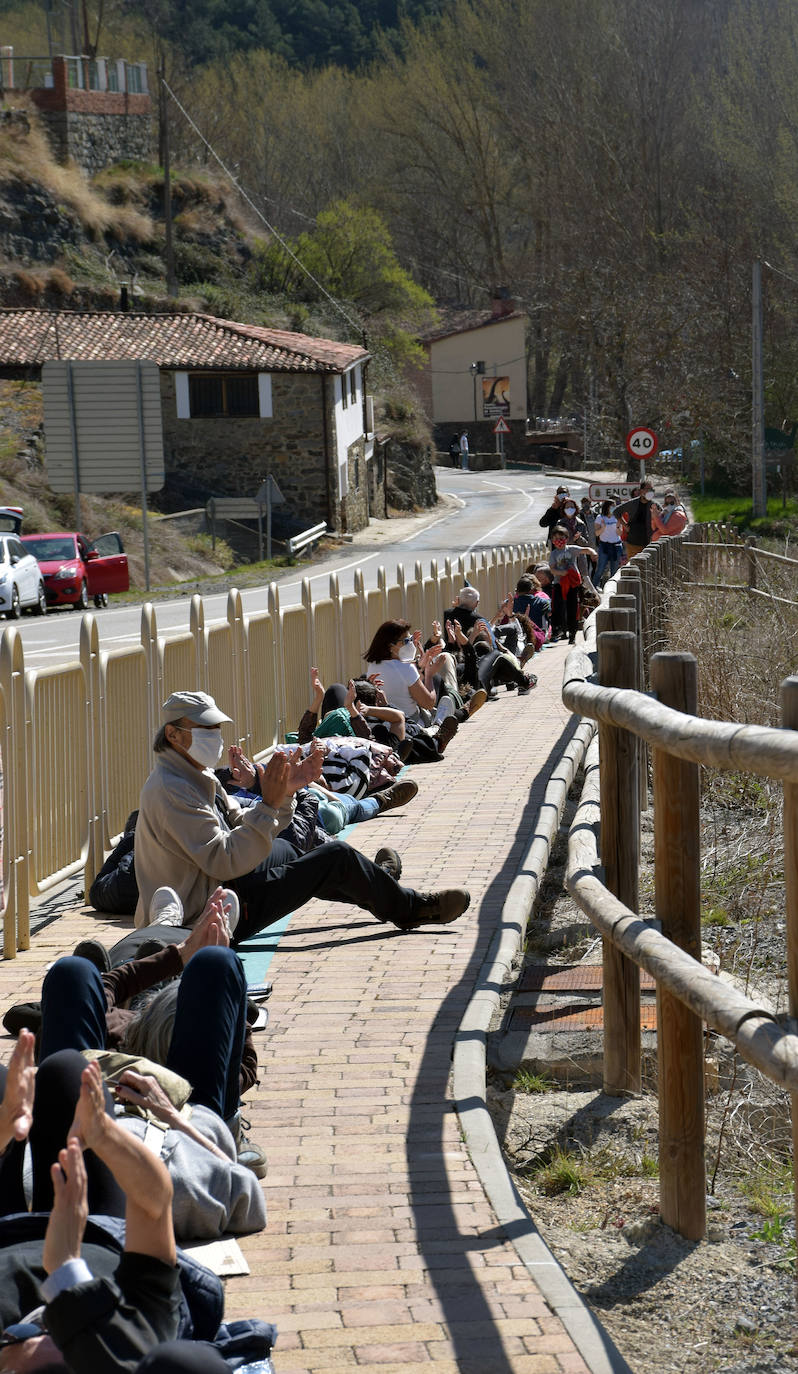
26,156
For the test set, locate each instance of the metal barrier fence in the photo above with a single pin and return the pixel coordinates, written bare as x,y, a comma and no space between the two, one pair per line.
604,854
76,740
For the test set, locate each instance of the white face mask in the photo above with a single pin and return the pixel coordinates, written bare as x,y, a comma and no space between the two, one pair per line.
407,652
570,510
206,747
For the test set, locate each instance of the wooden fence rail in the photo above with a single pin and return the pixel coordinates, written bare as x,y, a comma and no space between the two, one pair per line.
602,875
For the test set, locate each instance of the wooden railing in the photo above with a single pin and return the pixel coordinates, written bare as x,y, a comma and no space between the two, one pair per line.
607,687
735,567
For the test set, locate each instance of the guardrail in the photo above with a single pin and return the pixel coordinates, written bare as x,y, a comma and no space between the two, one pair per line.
306,538
602,873
75,740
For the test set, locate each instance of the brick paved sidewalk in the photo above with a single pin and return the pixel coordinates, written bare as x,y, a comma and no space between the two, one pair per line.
381,1251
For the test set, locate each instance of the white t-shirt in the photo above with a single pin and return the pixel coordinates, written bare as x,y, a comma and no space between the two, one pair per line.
607,529
398,678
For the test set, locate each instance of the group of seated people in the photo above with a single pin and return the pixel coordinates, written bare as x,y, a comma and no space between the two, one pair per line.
127,1077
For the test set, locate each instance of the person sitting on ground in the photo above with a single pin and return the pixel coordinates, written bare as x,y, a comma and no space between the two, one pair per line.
340,699
669,518
197,1027
91,1279
567,580
531,600
191,837
115,889
610,544
485,665
405,673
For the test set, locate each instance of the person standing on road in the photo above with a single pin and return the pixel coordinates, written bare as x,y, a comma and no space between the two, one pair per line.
610,544
464,450
553,514
454,450
638,519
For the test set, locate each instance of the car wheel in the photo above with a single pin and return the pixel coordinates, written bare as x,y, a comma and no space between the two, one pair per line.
15,609
41,601
101,600
82,603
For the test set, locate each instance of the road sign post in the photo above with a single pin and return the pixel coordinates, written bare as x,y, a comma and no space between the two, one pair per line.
641,443
501,428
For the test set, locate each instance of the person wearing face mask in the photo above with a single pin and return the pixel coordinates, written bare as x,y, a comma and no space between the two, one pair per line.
669,518
638,519
192,836
554,514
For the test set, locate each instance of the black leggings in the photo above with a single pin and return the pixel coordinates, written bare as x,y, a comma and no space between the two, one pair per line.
56,1094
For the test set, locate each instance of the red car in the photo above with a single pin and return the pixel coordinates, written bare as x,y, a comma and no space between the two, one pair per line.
75,570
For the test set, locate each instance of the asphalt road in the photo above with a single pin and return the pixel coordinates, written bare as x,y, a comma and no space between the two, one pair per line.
492,508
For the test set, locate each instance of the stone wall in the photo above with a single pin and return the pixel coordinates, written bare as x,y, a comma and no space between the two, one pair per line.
354,513
411,480
230,457
376,483
96,140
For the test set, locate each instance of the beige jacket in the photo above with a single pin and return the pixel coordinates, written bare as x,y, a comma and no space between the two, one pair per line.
181,841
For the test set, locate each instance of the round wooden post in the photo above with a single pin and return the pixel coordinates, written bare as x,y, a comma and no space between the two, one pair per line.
680,1033
789,719
631,585
620,856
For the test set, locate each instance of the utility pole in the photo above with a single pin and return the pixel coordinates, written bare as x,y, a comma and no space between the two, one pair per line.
759,479
169,251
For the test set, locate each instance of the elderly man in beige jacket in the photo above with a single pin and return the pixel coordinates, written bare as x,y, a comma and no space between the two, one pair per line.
191,836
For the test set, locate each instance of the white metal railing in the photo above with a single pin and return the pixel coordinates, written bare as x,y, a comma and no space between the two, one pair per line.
76,740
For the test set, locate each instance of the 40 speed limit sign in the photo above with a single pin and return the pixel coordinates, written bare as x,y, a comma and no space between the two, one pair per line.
641,443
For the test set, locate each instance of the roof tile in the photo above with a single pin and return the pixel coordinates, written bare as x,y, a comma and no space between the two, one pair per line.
29,338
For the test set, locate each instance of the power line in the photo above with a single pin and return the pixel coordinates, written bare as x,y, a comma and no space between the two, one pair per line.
245,196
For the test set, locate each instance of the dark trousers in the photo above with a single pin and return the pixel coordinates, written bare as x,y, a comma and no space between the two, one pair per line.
56,1093
564,609
210,1021
184,1357
334,872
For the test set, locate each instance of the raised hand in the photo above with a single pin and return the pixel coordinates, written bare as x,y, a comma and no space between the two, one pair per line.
305,770
70,1212
90,1123
16,1108
242,768
316,689
210,929
274,780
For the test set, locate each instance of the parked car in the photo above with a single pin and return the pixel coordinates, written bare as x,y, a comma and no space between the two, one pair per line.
75,570
21,581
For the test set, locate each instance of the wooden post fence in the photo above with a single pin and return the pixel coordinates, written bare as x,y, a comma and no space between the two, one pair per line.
789,719
620,855
674,679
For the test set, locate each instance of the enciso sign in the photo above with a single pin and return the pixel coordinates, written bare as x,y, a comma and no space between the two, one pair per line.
641,443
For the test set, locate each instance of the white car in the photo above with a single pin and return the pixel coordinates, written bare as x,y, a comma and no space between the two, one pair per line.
21,581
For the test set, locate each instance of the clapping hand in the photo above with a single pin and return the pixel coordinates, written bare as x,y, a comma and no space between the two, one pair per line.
285,774
16,1108
70,1212
90,1122
210,930
242,768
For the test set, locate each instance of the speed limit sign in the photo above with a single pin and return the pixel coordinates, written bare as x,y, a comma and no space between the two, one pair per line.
641,443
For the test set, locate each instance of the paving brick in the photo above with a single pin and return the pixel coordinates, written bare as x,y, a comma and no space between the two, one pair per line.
381,1252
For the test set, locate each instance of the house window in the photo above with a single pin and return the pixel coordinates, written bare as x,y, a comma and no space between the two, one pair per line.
344,392
223,395
353,385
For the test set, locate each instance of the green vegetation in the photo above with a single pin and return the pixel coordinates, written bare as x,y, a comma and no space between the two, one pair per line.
727,508
573,1169
526,1081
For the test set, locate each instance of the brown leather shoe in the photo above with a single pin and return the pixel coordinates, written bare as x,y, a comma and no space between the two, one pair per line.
447,733
398,794
439,908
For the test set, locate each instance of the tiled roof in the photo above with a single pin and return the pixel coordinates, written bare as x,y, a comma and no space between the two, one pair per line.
29,338
458,321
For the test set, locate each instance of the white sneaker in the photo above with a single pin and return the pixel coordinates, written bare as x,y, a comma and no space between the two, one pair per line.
445,708
231,908
166,908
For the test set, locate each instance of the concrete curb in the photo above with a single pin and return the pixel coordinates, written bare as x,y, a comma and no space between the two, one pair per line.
594,1345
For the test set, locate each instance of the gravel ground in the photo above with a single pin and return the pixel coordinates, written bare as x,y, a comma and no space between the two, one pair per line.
587,1167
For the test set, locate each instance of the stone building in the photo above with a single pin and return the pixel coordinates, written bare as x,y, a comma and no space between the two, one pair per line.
96,111
238,402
